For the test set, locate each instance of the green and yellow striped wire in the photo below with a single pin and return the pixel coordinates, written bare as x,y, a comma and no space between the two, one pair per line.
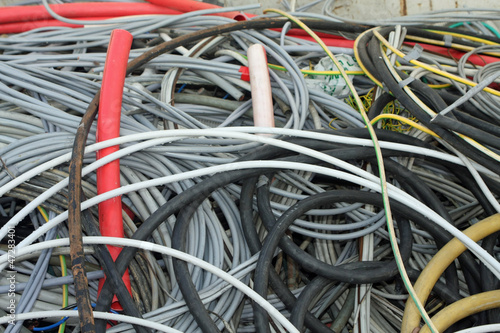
64,270
380,163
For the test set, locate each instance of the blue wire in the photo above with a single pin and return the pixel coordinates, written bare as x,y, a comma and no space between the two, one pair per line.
60,322
50,327
181,88
225,97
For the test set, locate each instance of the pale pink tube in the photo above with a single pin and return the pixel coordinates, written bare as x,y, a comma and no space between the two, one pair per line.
262,100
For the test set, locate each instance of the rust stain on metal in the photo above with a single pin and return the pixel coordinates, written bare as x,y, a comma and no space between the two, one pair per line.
456,3
403,10
430,5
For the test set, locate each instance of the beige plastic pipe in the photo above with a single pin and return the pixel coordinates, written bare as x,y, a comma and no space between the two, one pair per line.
262,101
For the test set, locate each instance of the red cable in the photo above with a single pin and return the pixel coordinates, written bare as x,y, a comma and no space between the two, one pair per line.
191,6
12,18
299,32
17,27
331,41
87,9
108,127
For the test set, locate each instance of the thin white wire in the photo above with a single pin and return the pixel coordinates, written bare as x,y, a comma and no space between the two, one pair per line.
369,181
147,246
97,314
383,294
394,193
477,177
228,131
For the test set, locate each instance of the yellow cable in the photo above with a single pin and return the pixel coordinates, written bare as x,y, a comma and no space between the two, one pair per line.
452,45
311,71
463,308
407,89
431,68
62,261
403,120
439,43
438,264
380,162
472,38
43,213
439,86
370,76
428,110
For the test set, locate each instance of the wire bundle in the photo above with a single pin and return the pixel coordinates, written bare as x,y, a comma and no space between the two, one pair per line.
240,228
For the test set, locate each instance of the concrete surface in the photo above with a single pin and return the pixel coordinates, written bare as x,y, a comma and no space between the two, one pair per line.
373,9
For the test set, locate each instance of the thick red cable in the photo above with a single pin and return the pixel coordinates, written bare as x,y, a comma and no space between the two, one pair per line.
85,9
191,6
299,32
331,41
18,27
108,127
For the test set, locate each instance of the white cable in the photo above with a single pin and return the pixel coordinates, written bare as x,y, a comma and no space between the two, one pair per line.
384,294
395,193
477,177
228,131
147,246
98,315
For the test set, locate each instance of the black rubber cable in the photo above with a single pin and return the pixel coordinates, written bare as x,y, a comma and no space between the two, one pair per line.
345,312
416,186
384,75
305,299
450,97
487,126
109,268
105,297
405,177
467,130
366,271
352,273
412,183
177,203
379,104
254,244
186,285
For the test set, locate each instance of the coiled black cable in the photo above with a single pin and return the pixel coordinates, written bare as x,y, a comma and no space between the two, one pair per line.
254,244
352,273
487,126
370,56
122,261
305,299
108,265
